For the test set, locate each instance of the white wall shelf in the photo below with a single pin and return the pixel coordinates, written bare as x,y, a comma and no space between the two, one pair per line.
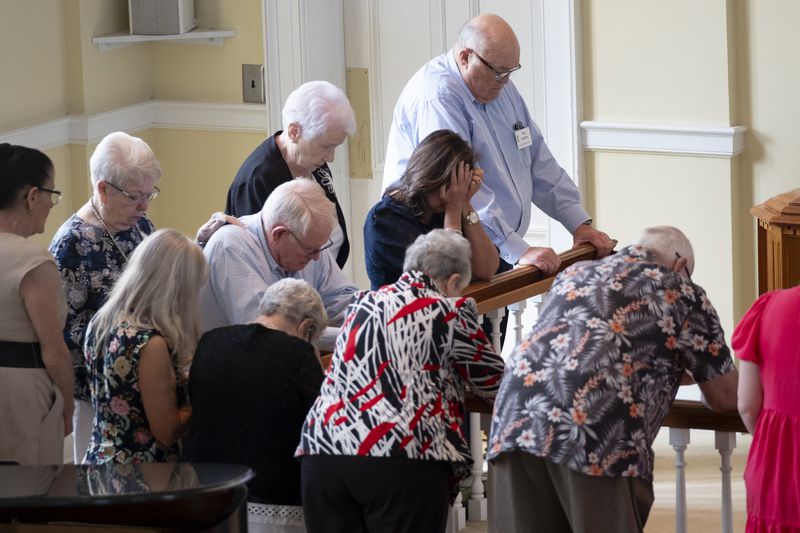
197,36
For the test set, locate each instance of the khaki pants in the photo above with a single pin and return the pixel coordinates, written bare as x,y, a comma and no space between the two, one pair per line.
532,494
31,417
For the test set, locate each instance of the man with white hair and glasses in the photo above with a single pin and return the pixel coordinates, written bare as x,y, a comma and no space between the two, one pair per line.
286,239
583,397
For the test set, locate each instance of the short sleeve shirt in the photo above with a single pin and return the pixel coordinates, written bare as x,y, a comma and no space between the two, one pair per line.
591,384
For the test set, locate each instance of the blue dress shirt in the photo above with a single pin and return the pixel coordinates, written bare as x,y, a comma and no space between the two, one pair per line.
437,97
241,267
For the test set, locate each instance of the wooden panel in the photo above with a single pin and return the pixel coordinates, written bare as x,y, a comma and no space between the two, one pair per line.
791,257
359,149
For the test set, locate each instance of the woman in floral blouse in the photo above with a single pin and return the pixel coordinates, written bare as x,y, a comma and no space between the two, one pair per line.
382,445
93,245
139,345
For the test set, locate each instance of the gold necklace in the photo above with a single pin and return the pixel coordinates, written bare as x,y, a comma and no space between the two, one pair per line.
108,232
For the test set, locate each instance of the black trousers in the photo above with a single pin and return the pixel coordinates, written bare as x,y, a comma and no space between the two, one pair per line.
350,494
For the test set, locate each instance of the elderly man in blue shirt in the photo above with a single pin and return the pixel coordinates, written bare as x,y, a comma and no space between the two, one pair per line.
468,90
288,238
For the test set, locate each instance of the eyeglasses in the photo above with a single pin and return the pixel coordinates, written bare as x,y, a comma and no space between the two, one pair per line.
498,75
141,197
311,252
685,268
55,196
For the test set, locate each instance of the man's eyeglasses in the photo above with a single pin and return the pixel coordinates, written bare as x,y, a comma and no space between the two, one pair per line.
311,252
141,197
498,75
55,196
685,267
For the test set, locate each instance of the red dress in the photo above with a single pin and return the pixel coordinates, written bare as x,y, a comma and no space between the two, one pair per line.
769,336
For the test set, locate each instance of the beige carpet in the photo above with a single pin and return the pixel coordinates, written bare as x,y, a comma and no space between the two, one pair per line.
703,486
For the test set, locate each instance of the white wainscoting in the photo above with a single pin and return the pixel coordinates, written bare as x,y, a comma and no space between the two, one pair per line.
699,140
88,129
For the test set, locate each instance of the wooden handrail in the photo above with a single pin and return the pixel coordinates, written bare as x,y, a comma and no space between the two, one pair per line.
522,282
527,281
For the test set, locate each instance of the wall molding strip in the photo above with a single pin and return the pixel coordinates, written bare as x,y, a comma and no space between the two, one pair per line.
89,129
712,141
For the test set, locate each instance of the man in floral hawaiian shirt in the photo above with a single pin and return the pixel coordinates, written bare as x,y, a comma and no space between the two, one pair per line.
584,395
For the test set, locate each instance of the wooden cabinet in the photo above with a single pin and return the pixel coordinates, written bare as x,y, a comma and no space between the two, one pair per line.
778,241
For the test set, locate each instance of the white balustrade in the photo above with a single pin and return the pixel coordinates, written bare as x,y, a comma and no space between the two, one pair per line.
725,443
679,440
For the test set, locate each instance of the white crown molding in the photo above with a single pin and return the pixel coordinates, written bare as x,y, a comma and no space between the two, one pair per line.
88,129
713,141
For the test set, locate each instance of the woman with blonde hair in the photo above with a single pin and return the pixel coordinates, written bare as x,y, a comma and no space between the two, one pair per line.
138,346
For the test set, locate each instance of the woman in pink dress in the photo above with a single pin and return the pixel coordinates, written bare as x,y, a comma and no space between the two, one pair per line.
767,342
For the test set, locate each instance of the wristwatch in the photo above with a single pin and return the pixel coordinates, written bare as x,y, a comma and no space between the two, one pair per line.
471,218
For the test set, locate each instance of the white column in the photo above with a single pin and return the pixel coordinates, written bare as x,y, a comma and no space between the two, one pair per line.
476,507
725,443
679,440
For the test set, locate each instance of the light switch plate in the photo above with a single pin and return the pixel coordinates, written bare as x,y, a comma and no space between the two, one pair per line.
253,84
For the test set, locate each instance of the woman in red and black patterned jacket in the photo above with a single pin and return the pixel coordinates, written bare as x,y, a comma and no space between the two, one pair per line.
382,445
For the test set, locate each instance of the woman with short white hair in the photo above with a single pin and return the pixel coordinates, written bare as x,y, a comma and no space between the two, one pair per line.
93,245
138,346
251,386
317,118
382,446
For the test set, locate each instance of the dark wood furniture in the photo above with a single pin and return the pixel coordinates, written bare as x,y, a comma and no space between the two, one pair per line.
161,496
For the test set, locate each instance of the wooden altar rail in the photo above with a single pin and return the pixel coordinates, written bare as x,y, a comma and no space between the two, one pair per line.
515,286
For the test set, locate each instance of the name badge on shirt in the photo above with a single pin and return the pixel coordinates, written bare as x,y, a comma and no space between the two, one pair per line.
523,136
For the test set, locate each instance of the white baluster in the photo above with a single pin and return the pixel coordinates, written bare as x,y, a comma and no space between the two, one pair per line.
517,311
537,302
458,517
476,507
495,317
679,440
725,442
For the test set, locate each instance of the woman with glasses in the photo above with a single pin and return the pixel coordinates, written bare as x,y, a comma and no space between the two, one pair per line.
138,348
434,192
35,369
92,246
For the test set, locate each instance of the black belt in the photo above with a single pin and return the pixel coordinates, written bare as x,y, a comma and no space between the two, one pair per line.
20,355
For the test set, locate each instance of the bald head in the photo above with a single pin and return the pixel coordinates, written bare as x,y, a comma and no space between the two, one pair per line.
486,52
486,34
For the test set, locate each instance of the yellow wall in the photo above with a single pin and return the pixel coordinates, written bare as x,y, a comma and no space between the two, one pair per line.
61,73
211,73
33,64
198,167
655,61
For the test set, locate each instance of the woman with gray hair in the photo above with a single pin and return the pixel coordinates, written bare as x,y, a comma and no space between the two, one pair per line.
251,386
382,446
92,246
317,117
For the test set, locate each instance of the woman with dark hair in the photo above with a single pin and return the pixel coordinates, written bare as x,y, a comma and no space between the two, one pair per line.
35,365
435,192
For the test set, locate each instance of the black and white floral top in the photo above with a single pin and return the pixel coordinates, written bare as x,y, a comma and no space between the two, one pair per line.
591,384
89,264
